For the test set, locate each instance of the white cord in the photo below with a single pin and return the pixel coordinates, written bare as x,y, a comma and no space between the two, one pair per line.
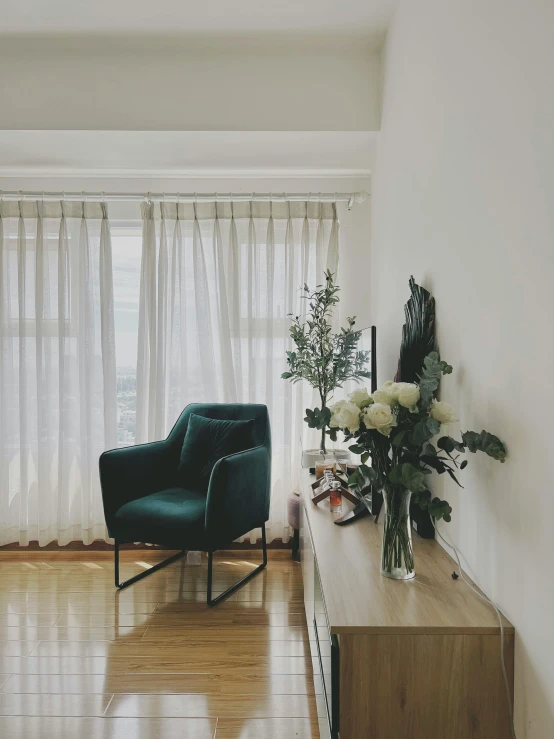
499,615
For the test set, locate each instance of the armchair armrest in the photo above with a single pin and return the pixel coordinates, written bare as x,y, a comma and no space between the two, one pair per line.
132,472
238,495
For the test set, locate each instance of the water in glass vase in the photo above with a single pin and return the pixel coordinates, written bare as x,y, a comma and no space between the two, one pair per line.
397,557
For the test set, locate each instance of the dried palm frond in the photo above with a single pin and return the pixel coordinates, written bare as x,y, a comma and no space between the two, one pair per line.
418,333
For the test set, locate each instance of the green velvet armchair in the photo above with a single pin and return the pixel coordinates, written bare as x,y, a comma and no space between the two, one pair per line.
148,497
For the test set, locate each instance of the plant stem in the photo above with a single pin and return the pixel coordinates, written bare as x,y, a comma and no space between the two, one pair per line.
323,406
397,551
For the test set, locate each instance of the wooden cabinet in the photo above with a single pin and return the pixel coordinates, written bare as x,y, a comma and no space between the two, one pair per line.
323,645
327,653
308,564
399,660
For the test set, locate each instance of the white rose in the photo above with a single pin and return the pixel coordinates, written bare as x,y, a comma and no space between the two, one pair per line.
408,394
335,410
392,387
379,416
361,397
388,394
442,411
345,415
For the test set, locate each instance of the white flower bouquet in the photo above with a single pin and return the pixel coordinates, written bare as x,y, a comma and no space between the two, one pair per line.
393,431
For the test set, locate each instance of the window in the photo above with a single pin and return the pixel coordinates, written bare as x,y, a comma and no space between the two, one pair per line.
126,256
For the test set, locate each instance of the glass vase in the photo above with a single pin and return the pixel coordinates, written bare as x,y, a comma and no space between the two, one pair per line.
397,557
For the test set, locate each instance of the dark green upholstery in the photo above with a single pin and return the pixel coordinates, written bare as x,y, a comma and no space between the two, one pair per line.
144,498
175,514
208,440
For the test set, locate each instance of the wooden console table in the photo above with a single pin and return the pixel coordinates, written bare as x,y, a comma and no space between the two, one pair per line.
399,660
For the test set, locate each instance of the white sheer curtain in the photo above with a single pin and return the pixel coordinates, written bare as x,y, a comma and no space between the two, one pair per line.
217,283
58,407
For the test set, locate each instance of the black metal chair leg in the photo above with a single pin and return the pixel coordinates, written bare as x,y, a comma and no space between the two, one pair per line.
116,564
131,580
240,583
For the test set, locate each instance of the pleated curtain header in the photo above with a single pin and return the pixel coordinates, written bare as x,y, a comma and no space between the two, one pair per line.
52,209
184,211
241,209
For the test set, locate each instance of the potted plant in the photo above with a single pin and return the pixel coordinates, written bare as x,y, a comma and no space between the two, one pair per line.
393,430
326,360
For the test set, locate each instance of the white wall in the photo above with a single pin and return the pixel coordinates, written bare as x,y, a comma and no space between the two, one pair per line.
464,201
170,83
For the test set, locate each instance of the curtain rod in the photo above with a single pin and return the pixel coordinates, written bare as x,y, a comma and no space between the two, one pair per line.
156,197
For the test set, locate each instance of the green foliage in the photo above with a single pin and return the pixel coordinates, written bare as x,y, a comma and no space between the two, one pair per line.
436,507
424,430
433,369
322,358
318,419
448,444
364,478
408,457
404,435
440,509
409,476
485,442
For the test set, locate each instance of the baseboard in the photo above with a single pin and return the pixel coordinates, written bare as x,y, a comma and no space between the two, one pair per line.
102,546
151,553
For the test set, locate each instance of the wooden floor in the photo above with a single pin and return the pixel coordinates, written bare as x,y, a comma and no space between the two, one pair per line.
79,659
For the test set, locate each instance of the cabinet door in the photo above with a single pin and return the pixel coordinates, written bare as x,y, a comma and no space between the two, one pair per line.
328,655
307,561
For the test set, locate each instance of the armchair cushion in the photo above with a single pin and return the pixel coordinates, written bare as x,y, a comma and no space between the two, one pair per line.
206,441
173,517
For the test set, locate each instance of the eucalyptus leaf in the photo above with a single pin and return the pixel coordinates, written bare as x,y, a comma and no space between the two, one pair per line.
395,475
413,478
452,475
353,479
448,444
398,438
485,442
439,509
424,430
433,461
409,476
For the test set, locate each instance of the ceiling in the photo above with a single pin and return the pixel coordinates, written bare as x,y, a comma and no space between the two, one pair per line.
186,153
367,17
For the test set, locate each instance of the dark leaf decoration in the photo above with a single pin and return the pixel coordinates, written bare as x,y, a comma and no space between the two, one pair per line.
448,444
485,442
418,333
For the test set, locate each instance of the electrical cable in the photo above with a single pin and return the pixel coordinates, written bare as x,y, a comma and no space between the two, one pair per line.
499,615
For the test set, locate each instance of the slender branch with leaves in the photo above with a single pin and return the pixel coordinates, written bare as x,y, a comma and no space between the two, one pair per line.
326,360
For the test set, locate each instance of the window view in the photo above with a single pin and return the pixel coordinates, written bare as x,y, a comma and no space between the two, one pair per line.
126,255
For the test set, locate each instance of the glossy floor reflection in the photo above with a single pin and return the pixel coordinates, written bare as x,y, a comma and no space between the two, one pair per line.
78,658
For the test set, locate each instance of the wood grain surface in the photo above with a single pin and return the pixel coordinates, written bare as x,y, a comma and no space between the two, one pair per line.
78,658
359,599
